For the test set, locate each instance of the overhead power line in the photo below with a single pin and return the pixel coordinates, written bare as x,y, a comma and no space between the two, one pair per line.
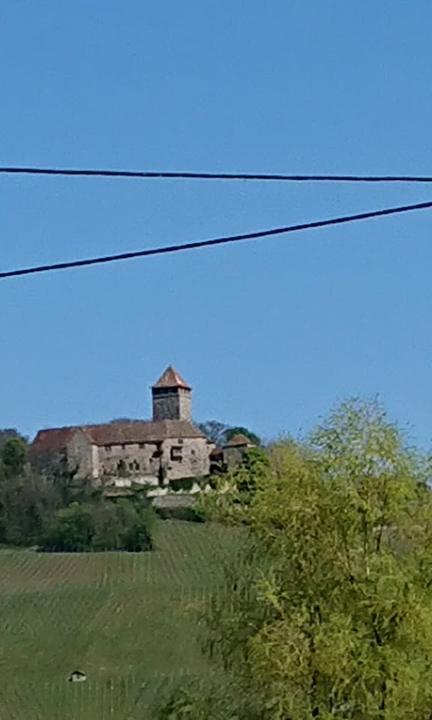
173,175
223,240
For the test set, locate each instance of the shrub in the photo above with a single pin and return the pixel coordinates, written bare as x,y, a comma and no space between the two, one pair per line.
188,514
182,484
99,526
71,530
135,525
13,456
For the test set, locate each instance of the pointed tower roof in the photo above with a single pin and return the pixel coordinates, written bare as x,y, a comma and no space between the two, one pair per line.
171,379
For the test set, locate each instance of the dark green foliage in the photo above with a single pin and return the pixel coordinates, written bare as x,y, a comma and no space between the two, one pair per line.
13,456
253,469
71,530
182,484
25,503
8,433
45,504
255,440
106,527
99,526
134,521
189,514
220,433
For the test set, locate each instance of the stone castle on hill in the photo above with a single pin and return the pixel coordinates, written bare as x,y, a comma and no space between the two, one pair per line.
154,452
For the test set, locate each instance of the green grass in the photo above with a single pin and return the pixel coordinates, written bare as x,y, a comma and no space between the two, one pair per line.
128,620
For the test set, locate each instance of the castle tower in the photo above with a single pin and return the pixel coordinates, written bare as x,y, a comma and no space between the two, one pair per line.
172,397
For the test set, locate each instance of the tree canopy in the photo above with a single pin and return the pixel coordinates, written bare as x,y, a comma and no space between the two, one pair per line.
13,456
326,611
220,433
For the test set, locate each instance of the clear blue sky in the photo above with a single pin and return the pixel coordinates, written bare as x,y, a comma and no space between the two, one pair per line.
270,334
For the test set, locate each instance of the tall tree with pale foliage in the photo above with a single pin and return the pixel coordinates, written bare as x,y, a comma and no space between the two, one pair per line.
327,610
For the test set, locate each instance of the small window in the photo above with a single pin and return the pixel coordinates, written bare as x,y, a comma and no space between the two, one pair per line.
108,448
193,452
123,446
176,453
141,446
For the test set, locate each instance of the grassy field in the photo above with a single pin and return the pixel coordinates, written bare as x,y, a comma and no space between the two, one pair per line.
129,621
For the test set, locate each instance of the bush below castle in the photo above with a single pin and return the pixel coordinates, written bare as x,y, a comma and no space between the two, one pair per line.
99,526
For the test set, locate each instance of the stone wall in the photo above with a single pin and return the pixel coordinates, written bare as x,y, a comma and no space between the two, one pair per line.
81,455
189,457
233,456
172,404
178,457
140,463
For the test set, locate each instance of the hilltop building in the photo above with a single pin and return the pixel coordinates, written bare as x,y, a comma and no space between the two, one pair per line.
153,452
235,449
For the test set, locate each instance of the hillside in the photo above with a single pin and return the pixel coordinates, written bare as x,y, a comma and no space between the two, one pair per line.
127,620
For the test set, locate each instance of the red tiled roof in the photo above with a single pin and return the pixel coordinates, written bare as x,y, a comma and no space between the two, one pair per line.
56,439
118,433
171,379
52,440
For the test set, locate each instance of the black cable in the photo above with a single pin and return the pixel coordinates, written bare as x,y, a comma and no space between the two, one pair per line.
215,241
275,177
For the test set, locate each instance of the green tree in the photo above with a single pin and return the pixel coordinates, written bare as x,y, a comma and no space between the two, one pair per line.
8,433
220,433
327,609
100,525
25,504
135,521
71,529
13,456
240,430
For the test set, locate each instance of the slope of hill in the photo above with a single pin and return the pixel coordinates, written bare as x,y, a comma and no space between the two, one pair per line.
129,621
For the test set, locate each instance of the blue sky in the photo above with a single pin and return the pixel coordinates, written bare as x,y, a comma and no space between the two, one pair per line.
270,334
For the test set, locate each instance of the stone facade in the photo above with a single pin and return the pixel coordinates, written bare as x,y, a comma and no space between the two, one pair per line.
234,450
172,397
169,447
172,404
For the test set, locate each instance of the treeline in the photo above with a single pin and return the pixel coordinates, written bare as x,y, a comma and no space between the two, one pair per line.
52,510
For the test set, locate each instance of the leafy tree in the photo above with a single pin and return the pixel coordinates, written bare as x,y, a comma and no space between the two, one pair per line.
25,503
100,525
220,433
135,522
13,456
7,434
230,432
253,468
71,530
106,534
327,607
